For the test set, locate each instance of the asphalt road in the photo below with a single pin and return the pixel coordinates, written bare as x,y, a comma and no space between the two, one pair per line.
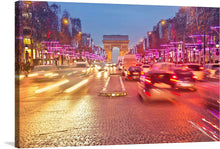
70,112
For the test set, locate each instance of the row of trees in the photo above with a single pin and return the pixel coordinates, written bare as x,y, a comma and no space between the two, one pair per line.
188,21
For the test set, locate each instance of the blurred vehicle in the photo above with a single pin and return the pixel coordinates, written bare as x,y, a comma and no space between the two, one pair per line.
109,64
145,68
183,79
217,73
139,64
129,60
82,66
163,66
133,73
120,66
44,72
180,66
101,66
157,85
114,65
63,67
92,65
197,70
211,69
210,94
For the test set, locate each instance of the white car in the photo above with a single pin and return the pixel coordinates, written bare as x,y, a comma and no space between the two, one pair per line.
41,72
82,66
145,68
211,69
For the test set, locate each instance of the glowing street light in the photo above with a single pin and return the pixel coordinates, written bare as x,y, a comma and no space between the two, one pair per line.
163,22
65,21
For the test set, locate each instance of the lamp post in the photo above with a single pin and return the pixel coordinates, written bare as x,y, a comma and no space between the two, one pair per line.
80,44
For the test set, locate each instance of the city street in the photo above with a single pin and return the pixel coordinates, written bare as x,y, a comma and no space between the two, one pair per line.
69,111
96,74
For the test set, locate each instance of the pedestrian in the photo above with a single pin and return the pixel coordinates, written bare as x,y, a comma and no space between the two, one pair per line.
27,68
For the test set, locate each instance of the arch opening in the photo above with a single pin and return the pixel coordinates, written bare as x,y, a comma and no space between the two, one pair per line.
115,54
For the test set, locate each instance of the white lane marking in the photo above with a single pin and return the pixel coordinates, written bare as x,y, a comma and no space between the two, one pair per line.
199,128
106,84
51,86
76,86
122,84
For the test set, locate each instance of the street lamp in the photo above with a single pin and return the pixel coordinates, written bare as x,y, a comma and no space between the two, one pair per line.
65,21
163,22
80,44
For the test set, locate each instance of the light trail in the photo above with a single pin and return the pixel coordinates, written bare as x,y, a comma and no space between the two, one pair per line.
71,89
203,131
51,86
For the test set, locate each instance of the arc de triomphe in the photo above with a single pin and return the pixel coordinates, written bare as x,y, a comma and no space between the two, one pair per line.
111,41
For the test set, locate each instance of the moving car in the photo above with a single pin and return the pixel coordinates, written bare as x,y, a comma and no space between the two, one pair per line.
163,66
129,60
197,70
217,73
145,68
120,66
133,73
43,72
82,66
101,66
157,85
211,69
183,79
210,94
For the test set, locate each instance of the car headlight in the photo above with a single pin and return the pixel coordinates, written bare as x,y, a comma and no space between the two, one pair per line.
83,70
98,67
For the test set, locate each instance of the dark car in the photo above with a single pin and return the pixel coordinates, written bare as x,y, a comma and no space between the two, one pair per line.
133,73
184,79
197,70
157,85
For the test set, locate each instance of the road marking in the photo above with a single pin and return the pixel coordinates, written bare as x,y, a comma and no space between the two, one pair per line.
51,86
106,84
76,86
122,84
200,129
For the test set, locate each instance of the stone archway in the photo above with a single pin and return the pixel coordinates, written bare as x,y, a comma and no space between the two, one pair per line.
111,41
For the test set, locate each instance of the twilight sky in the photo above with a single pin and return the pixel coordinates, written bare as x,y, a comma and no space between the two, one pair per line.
115,19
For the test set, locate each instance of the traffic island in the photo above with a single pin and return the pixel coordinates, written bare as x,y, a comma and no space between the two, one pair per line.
114,87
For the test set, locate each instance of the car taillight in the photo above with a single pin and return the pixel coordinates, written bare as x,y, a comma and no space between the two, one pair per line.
129,72
147,81
194,77
201,68
174,78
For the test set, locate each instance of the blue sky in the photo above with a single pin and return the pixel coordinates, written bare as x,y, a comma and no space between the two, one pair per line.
117,19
